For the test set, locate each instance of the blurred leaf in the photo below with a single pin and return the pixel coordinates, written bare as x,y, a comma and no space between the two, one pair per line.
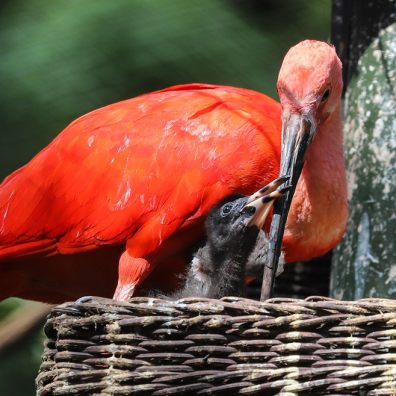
19,365
9,305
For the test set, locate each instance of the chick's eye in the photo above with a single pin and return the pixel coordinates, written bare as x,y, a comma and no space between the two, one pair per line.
226,209
325,95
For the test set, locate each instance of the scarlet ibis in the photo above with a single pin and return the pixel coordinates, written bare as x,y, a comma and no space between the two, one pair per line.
131,183
232,229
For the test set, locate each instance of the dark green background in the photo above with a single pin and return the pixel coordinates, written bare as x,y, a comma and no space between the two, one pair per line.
60,59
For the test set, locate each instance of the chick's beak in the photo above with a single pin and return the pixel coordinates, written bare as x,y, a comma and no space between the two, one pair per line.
260,203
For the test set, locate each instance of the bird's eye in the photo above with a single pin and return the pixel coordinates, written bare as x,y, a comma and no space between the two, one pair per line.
226,209
325,95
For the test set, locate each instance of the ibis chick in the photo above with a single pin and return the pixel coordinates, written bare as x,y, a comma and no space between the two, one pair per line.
236,245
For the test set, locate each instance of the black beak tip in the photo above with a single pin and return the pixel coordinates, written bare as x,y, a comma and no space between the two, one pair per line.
266,199
283,179
285,189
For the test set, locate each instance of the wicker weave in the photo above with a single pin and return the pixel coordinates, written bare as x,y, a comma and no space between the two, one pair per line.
233,346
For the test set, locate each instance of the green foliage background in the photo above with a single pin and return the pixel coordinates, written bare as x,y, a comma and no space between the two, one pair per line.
60,59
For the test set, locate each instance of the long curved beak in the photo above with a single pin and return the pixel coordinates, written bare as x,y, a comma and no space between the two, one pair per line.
297,132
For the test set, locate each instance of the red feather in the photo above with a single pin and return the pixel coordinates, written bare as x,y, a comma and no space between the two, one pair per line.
139,171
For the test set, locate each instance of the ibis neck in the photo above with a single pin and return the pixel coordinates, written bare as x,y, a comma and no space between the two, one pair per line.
318,214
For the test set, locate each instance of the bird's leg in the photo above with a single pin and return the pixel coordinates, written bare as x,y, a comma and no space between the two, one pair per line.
131,272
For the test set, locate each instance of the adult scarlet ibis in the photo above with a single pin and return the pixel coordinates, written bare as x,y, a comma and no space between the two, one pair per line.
232,236
132,182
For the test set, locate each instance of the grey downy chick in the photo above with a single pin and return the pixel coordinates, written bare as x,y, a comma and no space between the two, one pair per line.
236,245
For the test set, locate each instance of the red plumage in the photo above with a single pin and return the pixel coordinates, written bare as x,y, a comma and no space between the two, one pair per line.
141,172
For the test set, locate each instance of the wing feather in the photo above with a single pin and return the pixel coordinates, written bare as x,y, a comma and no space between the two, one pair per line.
140,169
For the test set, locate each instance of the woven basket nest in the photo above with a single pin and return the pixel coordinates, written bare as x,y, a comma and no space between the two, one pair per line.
232,346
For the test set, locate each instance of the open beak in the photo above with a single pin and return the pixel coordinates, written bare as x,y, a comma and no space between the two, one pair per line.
297,132
262,200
